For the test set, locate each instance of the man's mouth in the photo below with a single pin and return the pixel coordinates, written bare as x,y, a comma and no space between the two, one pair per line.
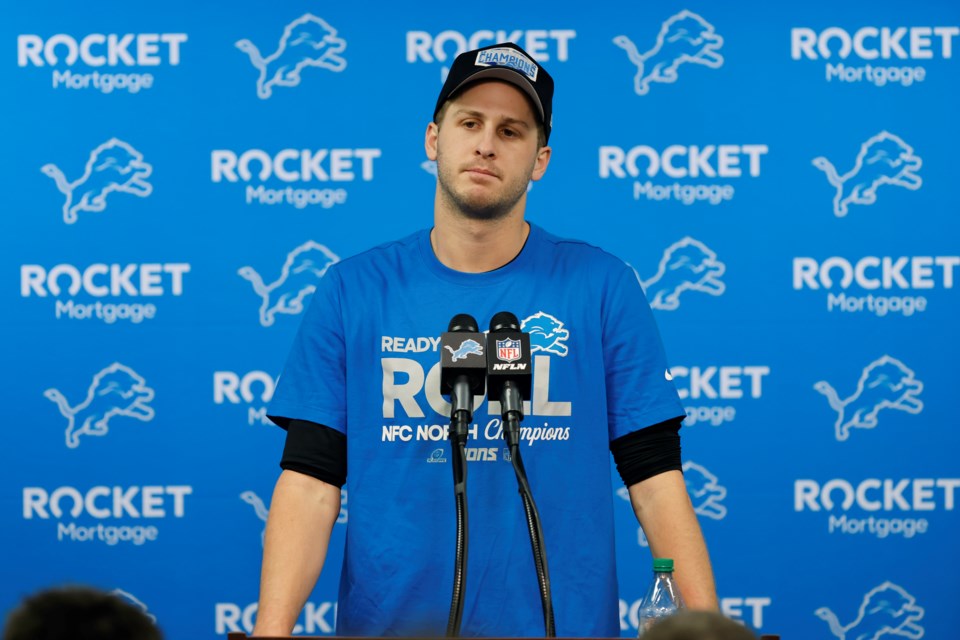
482,171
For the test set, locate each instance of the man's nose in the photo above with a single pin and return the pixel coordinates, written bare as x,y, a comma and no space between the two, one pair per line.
486,144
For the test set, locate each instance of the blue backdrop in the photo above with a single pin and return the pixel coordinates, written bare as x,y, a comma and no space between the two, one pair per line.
777,175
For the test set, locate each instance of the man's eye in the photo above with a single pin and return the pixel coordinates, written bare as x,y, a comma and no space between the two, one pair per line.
510,133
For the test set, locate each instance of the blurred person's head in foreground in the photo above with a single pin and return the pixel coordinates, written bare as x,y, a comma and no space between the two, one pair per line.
78,613
698,625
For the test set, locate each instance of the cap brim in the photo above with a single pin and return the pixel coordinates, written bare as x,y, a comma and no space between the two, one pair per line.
506,75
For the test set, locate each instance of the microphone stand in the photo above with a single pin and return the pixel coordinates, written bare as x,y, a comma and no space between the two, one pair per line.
512,412
460,415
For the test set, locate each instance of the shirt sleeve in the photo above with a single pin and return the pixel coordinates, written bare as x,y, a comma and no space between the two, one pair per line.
312,385
647,452
640,390
318,451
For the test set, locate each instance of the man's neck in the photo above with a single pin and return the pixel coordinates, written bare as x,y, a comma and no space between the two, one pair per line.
478,246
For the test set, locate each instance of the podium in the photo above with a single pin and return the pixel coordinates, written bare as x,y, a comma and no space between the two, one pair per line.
238,635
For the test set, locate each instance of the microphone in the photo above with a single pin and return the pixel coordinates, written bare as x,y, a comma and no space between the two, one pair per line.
463,368
510,378
509,371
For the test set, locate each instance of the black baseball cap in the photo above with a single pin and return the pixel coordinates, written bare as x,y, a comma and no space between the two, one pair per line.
509,63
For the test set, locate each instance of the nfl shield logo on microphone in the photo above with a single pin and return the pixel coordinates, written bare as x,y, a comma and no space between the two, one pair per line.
508,350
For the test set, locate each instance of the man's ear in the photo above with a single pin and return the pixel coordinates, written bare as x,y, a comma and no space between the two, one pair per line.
430,140
540,165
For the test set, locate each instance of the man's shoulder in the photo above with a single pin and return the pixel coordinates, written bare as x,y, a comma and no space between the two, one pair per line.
581,251
380,256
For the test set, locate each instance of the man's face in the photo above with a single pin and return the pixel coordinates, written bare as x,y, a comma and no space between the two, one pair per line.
486,150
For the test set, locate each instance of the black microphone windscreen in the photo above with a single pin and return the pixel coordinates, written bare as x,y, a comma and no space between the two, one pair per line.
462,349
463,322
504,321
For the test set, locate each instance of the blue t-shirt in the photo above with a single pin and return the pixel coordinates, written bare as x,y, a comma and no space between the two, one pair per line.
366,362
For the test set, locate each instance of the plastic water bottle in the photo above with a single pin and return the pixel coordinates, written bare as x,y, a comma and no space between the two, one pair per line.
663,597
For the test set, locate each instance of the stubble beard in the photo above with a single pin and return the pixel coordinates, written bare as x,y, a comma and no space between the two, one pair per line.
494,209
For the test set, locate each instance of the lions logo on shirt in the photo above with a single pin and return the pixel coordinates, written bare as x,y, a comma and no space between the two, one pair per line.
546,334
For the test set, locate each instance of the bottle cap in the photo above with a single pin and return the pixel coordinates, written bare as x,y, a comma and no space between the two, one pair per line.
663,564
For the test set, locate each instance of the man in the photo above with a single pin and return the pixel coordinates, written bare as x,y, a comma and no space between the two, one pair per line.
599,378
